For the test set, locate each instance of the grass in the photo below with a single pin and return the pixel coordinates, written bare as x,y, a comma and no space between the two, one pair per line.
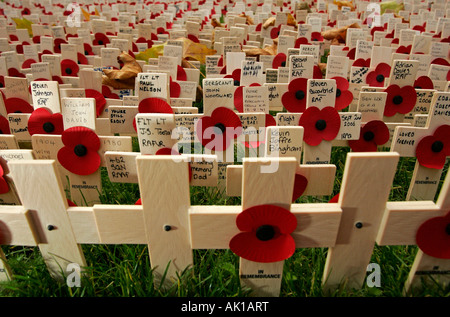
125,270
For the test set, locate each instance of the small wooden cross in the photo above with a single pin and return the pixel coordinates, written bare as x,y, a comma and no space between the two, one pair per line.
425,180
400,225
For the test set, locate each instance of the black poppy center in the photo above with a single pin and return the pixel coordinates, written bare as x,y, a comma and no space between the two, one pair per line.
80,150
321,124
437,146
100,42
48,127
237,82
265,232
283,64
380,78
338,92
397,100
1,132
18,111
221,126
447,229
68,71
300,94
86,53
315,40
368,136
1,85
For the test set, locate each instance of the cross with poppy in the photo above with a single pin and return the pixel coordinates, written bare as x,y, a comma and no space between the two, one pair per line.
287,141
322,121
427,225
429,144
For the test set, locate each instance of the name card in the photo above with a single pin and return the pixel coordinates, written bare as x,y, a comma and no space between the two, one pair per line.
313,50
121,166
371,105
421,44
288,119
16,155
321,93
46,94
358,74
337,66
301,66
217,92
204,169
403,72
350,126
155,131
284,142
255,99
251,72
46,147
149,85
439,113
185,131
78,112
422,106
18,125
276,92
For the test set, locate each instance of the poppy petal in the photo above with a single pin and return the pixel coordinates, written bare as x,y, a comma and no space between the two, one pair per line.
100,101
433,237
426,156
18,105
154,105
42,121
239,98
4,125
300,184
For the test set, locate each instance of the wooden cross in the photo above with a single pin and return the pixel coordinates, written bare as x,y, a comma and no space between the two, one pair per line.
425,181
399,226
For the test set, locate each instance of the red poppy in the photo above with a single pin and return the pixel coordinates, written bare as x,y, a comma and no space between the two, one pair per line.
82,60
80,152
100,101
300,184
316,37
57,44
265,234
36,39
236,75
144,40
2,81
4,125
4,187
317,72
13,72
88,49
294,99
19,47
154,105
432,150
423,82
399,100
13,38
216,131
376,77
175,89
402,49
275,32
440,61
100,39
373,134
445,40
343,96
193,38
69,68
351,53
433,237
376,28
43,121
58,79
18,105
161,30
334,199
27,63
279,60
301,41
361,62
107,93
181,74
25,11
320,124
420,28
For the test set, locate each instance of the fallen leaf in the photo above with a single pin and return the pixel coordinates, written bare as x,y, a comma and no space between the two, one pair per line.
125,77
24,24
